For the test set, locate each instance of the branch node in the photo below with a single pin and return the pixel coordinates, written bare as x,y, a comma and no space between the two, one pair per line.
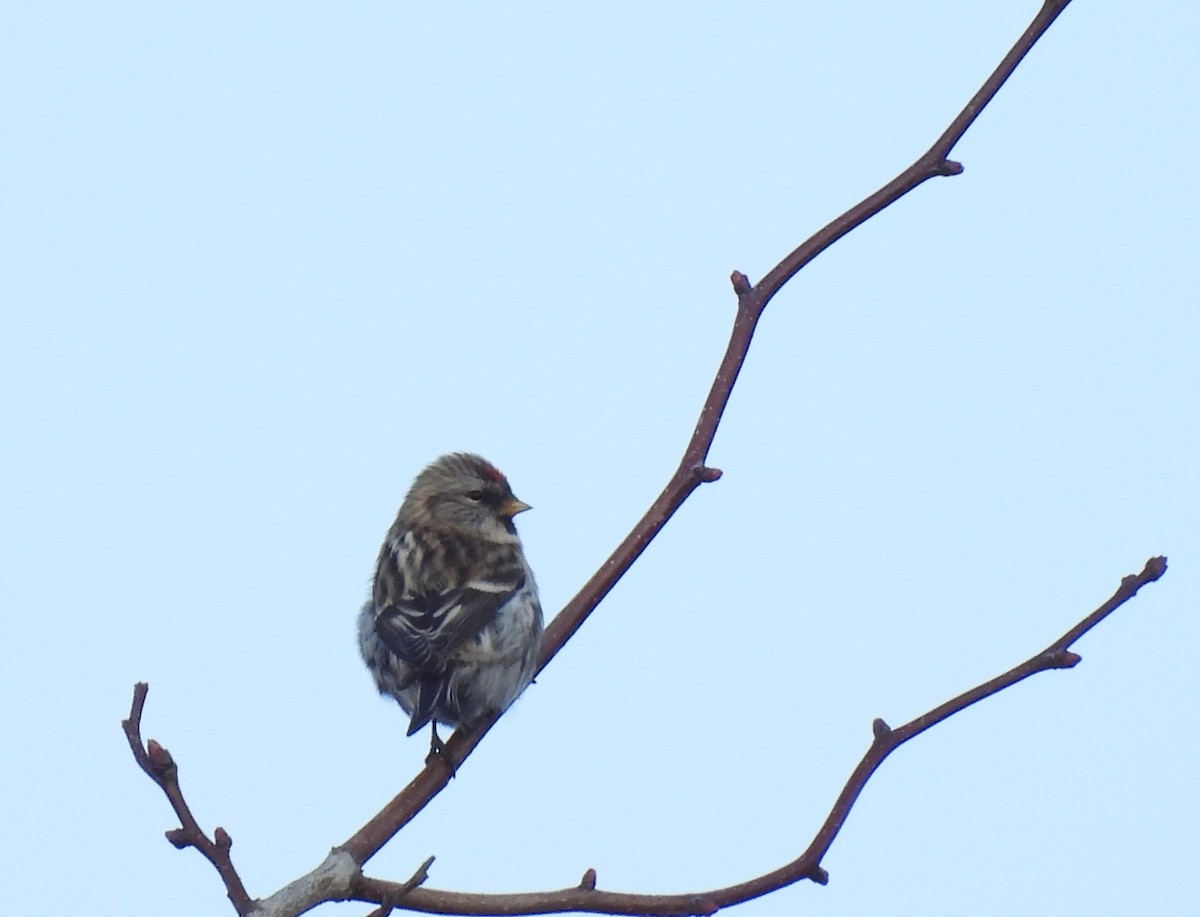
1155,568
741,283
160,759
588,882
180,839
705,907
816,874
1065,659
881,729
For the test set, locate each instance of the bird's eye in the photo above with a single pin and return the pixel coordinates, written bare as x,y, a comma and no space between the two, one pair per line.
475,495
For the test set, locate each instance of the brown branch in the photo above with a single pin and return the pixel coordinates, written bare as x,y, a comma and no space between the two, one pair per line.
158,764
392,899
692,472
585,897
339,877
932,163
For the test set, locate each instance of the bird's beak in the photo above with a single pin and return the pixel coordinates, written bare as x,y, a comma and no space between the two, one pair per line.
512,507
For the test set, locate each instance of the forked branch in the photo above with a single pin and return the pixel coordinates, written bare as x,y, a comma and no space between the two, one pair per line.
587,898
340,876
158,764
692,472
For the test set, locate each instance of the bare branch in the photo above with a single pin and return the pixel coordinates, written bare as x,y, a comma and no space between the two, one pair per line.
692,472
933,163
157,762
587,898
339,877
391,900
1055,656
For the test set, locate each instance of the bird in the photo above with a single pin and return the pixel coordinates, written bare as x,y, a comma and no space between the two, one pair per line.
453,625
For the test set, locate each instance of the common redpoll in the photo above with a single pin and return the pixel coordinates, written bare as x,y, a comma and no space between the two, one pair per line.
453,625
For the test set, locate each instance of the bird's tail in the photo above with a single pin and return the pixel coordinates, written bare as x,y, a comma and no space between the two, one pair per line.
422,713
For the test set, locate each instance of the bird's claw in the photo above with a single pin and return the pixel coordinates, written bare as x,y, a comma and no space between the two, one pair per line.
439,752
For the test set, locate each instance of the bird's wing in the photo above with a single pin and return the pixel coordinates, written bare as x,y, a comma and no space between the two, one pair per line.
424,630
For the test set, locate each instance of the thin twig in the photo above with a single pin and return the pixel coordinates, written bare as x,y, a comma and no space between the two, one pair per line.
157,762
587,898
393,898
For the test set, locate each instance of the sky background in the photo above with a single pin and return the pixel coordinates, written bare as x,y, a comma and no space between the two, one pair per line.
262,263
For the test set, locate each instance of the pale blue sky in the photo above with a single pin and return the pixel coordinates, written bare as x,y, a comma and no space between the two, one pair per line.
263,262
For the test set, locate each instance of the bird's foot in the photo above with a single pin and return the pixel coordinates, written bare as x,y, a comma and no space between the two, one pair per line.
439,752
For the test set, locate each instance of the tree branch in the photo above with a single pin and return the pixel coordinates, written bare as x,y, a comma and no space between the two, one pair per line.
157,762
932,163
587,898
692,472
340,876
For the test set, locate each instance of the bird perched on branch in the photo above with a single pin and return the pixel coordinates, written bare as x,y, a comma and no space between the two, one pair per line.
453,625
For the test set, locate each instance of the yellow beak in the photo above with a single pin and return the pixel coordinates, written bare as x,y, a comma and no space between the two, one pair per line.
512,507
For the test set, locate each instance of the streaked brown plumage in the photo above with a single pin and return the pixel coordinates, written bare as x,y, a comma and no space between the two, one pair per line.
453,625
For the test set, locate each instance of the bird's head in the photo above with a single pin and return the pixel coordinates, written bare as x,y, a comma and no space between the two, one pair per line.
464,493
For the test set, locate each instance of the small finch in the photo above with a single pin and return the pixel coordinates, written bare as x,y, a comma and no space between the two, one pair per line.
453,625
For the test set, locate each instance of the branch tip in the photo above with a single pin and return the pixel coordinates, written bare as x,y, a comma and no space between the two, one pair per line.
880,728
222,839
706,908
140,690
416,880
159,757
741,283
707,475
179,839
422,872
818,875
588,881
948,167
1154,569
1066,660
